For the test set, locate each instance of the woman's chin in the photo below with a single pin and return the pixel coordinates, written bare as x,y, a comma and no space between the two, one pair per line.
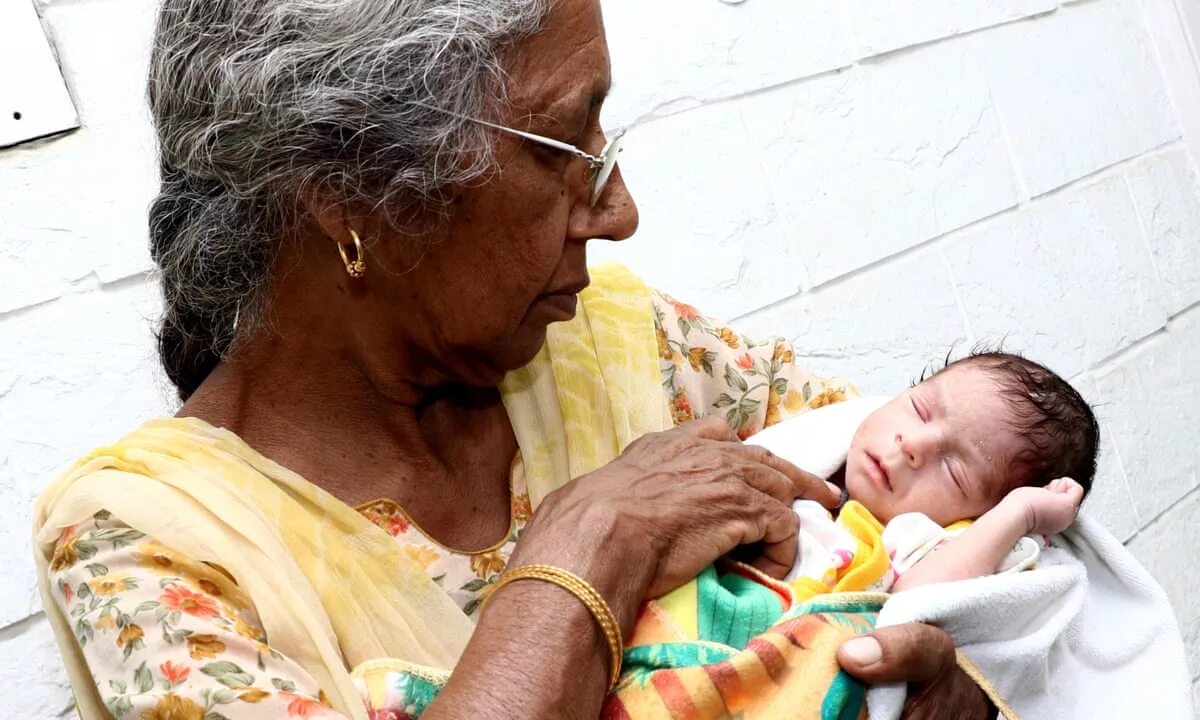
519,350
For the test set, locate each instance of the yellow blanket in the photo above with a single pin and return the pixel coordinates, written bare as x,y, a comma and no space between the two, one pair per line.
333,590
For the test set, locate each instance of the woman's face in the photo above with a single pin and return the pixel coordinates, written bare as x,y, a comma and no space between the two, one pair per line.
511,257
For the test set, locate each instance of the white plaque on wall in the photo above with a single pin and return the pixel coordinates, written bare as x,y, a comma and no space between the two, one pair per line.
34,101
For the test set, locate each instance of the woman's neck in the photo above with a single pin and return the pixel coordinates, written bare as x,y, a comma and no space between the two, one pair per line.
442,453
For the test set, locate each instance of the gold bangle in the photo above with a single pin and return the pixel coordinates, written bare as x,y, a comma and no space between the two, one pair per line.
587,595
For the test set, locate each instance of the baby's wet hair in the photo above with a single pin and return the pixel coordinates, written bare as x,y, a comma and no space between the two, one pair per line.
1059,430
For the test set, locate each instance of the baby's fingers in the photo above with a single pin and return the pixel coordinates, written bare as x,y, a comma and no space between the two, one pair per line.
1066,486
1075,492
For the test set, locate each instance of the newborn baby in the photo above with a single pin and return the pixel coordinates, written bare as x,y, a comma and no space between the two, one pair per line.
994,438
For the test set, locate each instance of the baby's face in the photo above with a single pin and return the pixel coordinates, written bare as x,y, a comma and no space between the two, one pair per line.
942,449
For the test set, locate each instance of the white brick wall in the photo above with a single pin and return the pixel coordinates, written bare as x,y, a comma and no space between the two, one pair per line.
877,180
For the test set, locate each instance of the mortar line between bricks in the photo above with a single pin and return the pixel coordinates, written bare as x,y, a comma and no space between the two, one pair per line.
1191,43
42,5
1182,499
1109,361
651,116
958,301
18,628
1143,228
1022,185
829,285
18,312
918,46
1178,315
125,281
898,256
1175,143
1123,478
855,60
89,283
975,225
934,244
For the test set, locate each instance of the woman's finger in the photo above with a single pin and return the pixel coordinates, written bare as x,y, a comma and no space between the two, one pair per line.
804,485
778,558
778,543
711,427
904,653
765,479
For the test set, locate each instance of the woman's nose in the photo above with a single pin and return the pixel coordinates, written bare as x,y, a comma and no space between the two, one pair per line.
613,217
618,208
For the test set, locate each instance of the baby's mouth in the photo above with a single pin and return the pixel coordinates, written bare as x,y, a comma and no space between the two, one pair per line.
880,473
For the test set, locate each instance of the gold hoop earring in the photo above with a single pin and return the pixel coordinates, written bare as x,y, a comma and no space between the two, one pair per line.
357,267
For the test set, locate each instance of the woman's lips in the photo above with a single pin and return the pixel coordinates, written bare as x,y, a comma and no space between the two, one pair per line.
878,472
562,305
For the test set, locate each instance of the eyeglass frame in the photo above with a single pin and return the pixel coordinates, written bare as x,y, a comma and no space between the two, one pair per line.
601,166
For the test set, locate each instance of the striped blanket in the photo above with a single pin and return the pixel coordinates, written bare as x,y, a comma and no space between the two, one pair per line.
732,643
736,643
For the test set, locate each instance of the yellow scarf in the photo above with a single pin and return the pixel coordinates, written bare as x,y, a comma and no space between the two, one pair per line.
334,591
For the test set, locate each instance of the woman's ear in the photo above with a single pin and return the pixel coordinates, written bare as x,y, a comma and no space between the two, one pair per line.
331,217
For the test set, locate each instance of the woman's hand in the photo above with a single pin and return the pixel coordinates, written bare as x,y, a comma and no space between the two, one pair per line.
924,657
670,505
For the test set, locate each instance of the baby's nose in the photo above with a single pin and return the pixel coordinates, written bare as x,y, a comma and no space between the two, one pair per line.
910,448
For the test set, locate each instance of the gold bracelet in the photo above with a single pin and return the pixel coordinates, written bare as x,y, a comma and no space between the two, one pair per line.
587,595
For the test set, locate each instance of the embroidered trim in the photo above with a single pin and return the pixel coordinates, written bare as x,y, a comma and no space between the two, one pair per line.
391,506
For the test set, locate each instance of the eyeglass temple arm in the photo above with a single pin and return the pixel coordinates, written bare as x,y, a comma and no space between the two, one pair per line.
549,142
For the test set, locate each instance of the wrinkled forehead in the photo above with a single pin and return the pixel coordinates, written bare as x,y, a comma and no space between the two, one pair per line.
566,62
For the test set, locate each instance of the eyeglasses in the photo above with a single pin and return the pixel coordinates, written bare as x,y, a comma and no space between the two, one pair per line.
600,167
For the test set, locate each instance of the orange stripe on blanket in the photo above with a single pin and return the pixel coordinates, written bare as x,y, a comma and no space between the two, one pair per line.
772,660
755,679
728,683
743,678
801,631
675,696
614,709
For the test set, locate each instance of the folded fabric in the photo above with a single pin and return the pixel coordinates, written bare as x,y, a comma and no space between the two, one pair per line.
759,663
735,643
855,552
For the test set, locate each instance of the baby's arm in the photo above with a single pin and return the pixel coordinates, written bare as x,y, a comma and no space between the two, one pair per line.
979,550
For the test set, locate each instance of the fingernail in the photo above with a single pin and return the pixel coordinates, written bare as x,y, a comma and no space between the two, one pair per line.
833,488
863,651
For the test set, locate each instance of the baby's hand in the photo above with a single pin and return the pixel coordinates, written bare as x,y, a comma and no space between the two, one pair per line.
1047,510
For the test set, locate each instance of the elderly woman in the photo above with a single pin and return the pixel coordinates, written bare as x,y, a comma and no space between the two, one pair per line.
371,214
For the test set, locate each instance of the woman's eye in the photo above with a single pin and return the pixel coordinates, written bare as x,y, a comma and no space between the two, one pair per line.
590,138
575,128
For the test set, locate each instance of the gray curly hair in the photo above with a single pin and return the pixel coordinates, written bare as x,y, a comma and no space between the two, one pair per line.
257,102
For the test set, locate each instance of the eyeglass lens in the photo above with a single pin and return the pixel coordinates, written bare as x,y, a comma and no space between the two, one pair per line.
611,152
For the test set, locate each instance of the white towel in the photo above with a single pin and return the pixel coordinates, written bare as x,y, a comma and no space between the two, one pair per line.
1089,634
